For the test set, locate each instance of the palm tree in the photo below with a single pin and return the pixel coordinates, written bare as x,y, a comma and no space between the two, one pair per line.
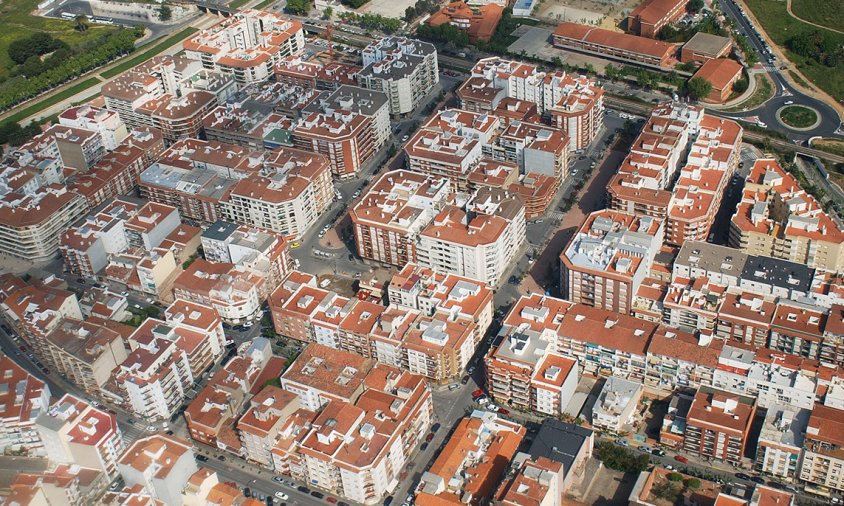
82,23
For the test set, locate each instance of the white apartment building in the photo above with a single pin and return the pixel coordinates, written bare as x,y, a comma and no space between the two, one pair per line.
161,465
106,123
74,432
616,404
247,44
406,70
23,398
154,378
781,441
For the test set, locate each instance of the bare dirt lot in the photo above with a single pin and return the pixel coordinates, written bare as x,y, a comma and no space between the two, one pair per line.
610,14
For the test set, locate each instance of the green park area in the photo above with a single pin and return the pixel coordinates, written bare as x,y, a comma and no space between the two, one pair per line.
817,52
798,116
828,13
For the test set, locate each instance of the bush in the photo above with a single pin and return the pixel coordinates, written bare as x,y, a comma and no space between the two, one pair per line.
675,477
693,483
621,459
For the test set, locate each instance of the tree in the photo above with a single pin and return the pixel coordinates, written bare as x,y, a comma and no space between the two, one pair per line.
81,23
298,6
695,5
165,13
328,12
698,87
409,14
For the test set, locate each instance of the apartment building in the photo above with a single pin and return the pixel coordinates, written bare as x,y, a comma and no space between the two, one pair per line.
406,70
369,103
388,220
617,46
24,397
342,136
31,224
745,317
450,144
472,462
524,371
777,218
438,347
358,450
260,426
169,93
822,457
651,16
608,258
692,305
78,148
566,443
295,71
106,123
678,359
718,425
242,122
262,252
477,241
247,44
616,405
532,480
574,103
62,484
536,190
781,442
155,376
321,374
772,377
115,174
234,291
76,433
308,313
158,465
35,310
797,328
85,352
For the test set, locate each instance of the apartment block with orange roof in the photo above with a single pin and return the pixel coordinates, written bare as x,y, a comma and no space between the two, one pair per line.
574,102
388,219
361,324
342,136
832,347
23,400
233,291
798,328
61,484
35,310
470,467
692,305
781,440
204,487
155,376
159,465
678,359
290,193
718,425
247,45
114,174
745,317
822,450
607,259
260,425
777,218
532,482
321,374
538,149
76,433
439,347
651,16
85,352
478,240
295,71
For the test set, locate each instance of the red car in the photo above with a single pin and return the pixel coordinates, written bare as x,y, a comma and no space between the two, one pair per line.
331,500
477,393
429,438
503,411
680,458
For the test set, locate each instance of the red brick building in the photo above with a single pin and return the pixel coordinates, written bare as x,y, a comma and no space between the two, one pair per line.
651,16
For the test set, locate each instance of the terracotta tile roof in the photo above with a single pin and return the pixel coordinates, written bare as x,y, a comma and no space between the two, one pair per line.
719,72
627,42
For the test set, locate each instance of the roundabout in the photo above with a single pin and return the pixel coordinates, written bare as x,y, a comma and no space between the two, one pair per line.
798,117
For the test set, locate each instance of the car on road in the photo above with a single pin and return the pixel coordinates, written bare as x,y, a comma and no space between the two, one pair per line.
423,447
435,427
621,442
471,369
278,479
742,476
465,379
281,495
295,244
388,501
130,421
405,138
477,393
682,459
503,411
202,458
331,500
453,386
221,458
317,494
658,452
756,479
303,489
429,437
789,102
776,484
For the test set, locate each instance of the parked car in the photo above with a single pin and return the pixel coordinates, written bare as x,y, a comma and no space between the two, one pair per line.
202,458
756,479
465,379
503,411
331,500
429,437
278,479
453,386
435,427
317,494
303,489
682,459
658,452
281,495
477,393
423,447
621,442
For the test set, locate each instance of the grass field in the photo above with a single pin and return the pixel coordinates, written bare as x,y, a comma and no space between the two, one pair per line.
798,116
237,3
828,13
833,146
16,22
780,27
265,4
54,99
146,54
761,94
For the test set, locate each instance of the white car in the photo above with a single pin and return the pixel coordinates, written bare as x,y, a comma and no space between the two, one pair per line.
789,102
281,495
762,124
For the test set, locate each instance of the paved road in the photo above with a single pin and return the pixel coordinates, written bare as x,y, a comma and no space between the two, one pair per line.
785,92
